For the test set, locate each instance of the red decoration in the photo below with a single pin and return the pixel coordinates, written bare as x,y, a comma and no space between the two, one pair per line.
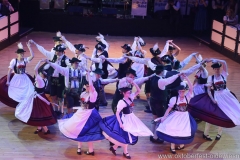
196,76
182,104
132,104
21,66
83,99
219,83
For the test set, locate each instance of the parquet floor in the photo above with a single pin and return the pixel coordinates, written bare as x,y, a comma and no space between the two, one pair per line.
17,141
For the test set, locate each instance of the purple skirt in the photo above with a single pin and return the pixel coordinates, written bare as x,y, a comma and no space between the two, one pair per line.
202,107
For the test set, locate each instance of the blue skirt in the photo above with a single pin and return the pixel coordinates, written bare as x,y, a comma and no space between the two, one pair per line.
91,130
180,140
111,127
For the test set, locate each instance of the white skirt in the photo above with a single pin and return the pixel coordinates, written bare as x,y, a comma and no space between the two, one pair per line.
177,124
20,87
135,126
228,104
71,127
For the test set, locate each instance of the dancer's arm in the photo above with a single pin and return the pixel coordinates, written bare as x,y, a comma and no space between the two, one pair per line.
178,49
37,66
69,44
30,50
10,69
46,53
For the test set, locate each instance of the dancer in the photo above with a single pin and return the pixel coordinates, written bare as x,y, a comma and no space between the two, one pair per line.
35,109
222,108
178,126
56,80
20,85
14,72
83,125
124,129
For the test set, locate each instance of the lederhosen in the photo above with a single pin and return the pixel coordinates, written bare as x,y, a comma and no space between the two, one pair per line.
172,92
158,98
73,94
57,83
154,60
122,70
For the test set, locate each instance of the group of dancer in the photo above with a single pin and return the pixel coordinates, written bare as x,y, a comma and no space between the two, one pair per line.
172,99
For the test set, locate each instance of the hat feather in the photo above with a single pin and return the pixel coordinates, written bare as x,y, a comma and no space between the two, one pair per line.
155,47
20,46
59,34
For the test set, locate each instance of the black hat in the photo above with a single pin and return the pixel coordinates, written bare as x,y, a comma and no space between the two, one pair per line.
131,71
141,41
176,65
166,59
59,48
74,59
127,47
98,71
159,68
155,50
125,89
80,47
100,46
216,65
182,86
171,47
57,39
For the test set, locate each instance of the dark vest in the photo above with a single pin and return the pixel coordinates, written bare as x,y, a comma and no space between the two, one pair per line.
19,70
176,83
104,65
128,109
220,86
157,93
123,69
180,108
201,80
62,64
168,67
41,90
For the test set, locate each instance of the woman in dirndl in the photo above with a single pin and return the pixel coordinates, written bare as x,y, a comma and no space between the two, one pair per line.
124,127
35,109
16,86
178,126
82,126
223,99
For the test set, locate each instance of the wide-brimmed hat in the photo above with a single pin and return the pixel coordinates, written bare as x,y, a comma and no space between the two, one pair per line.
73,60
159,68
98,71
141,41
166,59
59,48
131,71
100,46
80,47
20,48
155,50
124,89
171,47
216,65
176,65
127,47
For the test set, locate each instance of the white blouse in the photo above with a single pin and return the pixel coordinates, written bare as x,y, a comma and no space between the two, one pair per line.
172,101
13,62
121,104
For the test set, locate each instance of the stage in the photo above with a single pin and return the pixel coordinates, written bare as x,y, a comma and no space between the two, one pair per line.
18,141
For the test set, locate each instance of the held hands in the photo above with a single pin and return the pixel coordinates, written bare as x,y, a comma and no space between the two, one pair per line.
169,41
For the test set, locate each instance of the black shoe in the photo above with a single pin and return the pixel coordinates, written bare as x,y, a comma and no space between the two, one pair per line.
173,151
79,151
207,137
147,111
179,148
113,150
218,137
37,131
126,156
89,153
48,132
159,141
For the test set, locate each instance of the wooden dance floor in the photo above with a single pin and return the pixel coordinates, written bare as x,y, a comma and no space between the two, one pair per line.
17,141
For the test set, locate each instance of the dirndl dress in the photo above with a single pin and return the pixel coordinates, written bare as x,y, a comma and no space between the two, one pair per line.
36,110
83,125
133,126
224,114
179,127
20,83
